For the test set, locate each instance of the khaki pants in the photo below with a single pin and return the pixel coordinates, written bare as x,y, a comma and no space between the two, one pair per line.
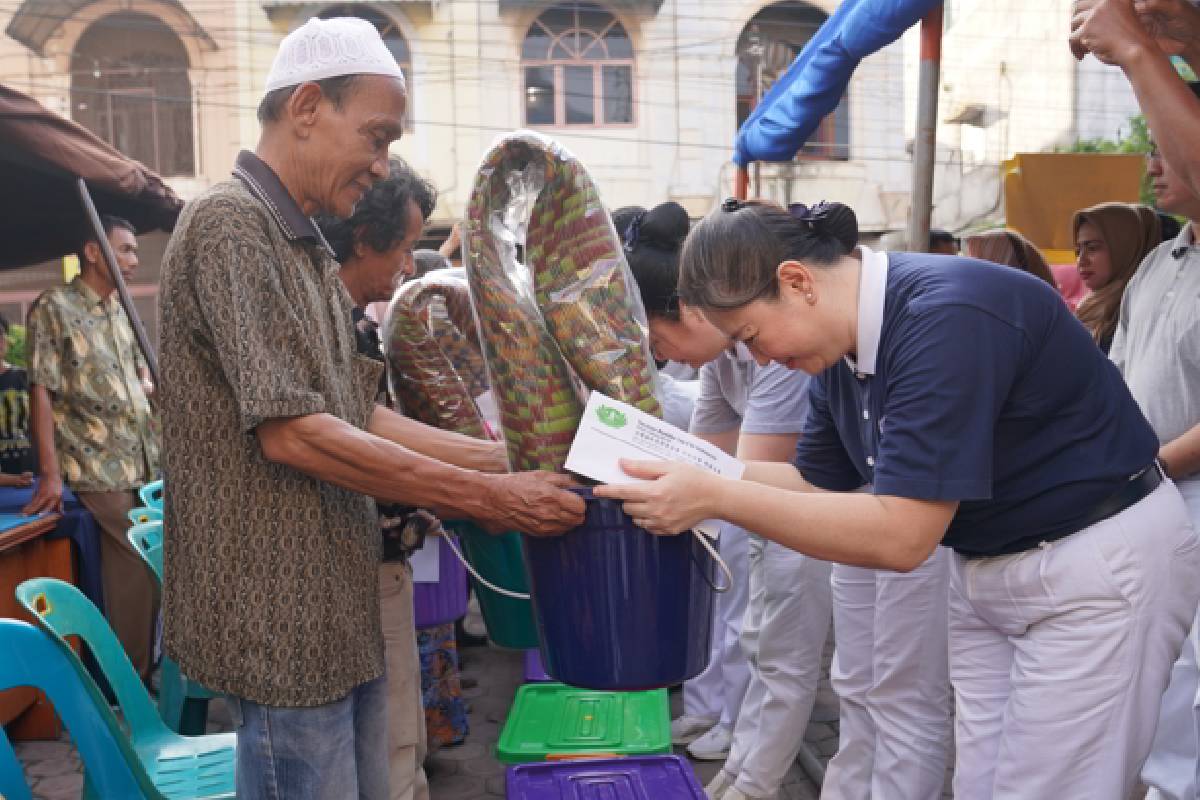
131,594
406,716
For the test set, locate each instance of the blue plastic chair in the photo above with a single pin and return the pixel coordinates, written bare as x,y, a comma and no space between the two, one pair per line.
182,703
147,539
152,494
179,766
145,514
33,658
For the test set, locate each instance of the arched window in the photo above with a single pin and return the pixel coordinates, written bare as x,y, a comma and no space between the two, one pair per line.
130,86
768,45
578,66
392,37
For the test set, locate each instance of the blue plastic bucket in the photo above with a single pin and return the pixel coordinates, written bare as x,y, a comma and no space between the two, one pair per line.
619,608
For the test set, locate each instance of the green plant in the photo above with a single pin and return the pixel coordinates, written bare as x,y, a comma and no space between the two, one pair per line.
16,345
1137,140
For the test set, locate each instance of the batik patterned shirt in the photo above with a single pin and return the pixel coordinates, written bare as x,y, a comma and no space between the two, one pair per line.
82,350
271,576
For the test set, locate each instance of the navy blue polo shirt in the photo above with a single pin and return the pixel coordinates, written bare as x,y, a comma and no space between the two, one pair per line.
985,390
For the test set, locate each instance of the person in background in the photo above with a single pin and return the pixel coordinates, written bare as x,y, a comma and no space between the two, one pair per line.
427,261
1070,285
678,383
679,334
1140,38
374,247
1010,249
16,450
943,242
1157,350
1111,239
93,426
1167,223
453,244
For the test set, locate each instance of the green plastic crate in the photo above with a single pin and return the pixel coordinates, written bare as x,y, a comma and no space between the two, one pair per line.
551,720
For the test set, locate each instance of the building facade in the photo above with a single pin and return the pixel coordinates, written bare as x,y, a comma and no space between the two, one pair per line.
648,93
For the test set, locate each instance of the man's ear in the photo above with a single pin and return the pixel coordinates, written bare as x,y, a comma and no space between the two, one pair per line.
92,253
304,107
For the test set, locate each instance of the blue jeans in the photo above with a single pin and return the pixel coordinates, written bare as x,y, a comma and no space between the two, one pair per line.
330,752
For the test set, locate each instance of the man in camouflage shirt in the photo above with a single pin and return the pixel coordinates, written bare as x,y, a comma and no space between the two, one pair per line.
93,427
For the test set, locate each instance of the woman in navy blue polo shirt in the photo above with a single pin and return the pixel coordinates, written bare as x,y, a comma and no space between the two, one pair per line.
985,420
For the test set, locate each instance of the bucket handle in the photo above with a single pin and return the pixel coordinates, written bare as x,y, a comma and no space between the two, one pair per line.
712,551
704,542
480,578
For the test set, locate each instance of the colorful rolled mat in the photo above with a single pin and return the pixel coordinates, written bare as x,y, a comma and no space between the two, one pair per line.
461,348
585,289
566,319
423,377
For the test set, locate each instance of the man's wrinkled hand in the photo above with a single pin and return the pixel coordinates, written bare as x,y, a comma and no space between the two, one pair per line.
536,503
1174,24
1115,33
47,497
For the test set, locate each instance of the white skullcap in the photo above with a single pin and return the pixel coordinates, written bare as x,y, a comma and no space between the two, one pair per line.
329,48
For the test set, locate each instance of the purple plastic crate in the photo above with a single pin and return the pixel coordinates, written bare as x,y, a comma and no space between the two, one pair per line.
534,672
639,778
446,600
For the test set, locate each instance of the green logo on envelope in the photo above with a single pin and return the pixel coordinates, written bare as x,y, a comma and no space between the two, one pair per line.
611,417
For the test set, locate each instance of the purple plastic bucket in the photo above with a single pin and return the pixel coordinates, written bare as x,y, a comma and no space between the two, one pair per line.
618,608
639,778
534,673
446,600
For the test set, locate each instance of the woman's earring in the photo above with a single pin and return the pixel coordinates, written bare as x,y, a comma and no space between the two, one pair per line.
809,297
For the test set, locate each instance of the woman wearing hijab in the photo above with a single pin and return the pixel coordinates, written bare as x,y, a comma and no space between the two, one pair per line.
1111,240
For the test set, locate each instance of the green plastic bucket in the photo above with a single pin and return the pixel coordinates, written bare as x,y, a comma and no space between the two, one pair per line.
552,721
498,559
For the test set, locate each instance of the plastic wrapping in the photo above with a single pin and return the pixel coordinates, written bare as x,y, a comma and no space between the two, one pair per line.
426,349
568,318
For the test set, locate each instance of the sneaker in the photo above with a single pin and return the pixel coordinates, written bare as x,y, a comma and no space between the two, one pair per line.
719,785
687,729
712,746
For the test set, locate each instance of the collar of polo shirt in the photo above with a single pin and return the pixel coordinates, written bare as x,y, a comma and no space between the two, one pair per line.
872,290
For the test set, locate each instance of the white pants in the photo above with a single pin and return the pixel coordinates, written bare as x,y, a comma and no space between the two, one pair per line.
1172,769
890,673
405,713
1059,655
783,635
717,692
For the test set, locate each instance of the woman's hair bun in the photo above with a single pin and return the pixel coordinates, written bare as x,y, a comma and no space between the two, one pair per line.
836,221
665,226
